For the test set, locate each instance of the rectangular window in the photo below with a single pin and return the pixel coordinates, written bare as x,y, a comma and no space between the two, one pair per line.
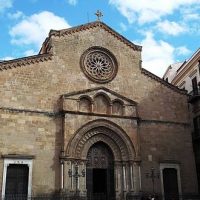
17,181
17,178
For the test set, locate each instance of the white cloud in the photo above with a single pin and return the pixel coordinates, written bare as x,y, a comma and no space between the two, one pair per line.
171,28
32,30
30,52
123,26
191,13
192,16
145,11
4,4
7,58
157,55
72,2
16,15
183,50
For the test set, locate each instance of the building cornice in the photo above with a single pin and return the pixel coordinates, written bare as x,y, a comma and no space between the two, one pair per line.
5,65
186,67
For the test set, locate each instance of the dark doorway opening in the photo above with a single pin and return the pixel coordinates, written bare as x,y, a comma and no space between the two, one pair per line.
100,173
16,182
99,181
170,184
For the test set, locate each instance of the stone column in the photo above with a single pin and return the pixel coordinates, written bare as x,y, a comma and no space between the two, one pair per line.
124,171
82,178
62,175
118,180
68,186
131,166
136,177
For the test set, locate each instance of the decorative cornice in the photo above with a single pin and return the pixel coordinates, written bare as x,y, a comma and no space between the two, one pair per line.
158,79
5,65
94,25
39,112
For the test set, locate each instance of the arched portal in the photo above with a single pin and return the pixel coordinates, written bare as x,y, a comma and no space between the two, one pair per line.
100,172
106,153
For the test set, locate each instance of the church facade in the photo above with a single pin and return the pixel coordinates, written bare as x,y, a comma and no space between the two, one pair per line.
82,115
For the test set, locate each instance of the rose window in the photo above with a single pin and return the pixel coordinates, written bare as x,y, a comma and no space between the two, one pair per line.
99,65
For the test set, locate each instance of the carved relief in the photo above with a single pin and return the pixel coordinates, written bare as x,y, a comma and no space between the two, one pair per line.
97,131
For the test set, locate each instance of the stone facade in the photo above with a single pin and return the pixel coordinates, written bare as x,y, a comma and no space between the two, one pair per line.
52,114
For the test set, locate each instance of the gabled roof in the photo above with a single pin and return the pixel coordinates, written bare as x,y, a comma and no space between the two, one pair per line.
60,33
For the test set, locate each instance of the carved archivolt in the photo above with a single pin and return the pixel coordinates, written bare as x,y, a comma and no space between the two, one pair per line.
101,131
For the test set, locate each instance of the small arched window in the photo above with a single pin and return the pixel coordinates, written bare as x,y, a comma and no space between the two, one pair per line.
85,104
101,104
117,107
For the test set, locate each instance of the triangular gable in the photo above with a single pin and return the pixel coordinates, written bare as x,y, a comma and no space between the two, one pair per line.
126,107
59,33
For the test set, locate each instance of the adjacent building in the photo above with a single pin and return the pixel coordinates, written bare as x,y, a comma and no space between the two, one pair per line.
186,76
83,116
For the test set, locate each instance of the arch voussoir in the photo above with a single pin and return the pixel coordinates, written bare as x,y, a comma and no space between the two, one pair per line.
101,131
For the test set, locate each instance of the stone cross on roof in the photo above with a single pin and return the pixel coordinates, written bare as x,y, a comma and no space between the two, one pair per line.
99,15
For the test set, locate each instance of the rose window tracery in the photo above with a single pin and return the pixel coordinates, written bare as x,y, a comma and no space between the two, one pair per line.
99,65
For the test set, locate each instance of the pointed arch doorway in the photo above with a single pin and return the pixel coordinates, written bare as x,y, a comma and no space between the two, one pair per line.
100,172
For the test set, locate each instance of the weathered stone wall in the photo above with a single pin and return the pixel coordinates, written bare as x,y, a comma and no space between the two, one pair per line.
167,143
38,87
37,135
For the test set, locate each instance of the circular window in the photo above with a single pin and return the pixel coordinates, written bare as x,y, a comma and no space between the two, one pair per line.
99,64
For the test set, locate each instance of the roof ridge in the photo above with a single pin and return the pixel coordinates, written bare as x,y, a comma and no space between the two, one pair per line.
9,64
59,33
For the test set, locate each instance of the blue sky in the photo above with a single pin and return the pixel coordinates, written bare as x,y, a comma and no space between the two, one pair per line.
168,30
